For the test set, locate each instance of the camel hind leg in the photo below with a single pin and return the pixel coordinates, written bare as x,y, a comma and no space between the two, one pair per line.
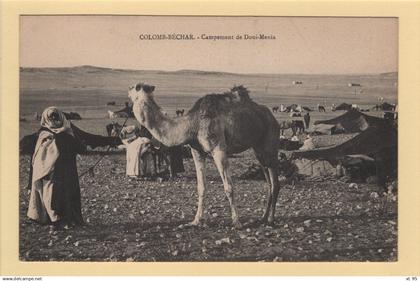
222,164
275,188
269,164
200,167
264,218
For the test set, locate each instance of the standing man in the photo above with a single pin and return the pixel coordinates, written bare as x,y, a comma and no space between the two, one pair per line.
307,119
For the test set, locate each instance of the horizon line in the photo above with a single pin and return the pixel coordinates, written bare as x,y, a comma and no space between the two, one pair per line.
214,71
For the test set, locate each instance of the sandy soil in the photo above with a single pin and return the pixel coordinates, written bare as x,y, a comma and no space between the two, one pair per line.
145,220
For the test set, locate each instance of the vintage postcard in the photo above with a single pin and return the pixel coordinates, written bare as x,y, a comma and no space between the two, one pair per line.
153,138
318,89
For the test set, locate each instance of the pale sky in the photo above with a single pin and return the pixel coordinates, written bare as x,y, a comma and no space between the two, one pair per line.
302,45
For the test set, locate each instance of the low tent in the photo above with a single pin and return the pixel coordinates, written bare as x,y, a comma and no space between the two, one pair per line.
72,116
327,129
343,106
353,121
373,141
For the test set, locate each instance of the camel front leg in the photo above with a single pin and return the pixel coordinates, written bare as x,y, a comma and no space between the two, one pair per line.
200,167
222,164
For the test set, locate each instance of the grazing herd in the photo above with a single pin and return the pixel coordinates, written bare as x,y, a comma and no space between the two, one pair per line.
295,108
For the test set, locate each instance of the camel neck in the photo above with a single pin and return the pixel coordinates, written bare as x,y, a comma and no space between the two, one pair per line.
169,131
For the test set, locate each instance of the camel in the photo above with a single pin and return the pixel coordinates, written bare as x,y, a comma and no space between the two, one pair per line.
180,112
321,108
217,125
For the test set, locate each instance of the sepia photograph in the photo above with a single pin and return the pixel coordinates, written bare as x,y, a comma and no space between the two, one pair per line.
208,138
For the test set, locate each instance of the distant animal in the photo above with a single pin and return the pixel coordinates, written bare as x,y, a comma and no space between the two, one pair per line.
295,114
306,108
180,112
110,103
219,125
297,82
321,108
298,125
292,108
285,125
275,109
354,85
72,116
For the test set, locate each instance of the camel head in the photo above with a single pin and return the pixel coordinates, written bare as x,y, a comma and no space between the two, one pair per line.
140,92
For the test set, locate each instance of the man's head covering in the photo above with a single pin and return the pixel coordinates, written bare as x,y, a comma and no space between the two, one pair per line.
53,119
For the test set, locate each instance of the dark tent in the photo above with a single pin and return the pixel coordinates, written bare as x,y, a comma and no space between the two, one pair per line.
27,143
72,116
373,141
385,107
353,121
343,106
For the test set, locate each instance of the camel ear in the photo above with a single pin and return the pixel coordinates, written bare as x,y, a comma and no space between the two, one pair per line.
148,89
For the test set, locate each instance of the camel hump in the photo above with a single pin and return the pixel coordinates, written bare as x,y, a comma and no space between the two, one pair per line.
213,105
241,92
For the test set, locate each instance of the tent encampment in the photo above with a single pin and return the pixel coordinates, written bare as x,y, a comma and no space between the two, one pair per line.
378,139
